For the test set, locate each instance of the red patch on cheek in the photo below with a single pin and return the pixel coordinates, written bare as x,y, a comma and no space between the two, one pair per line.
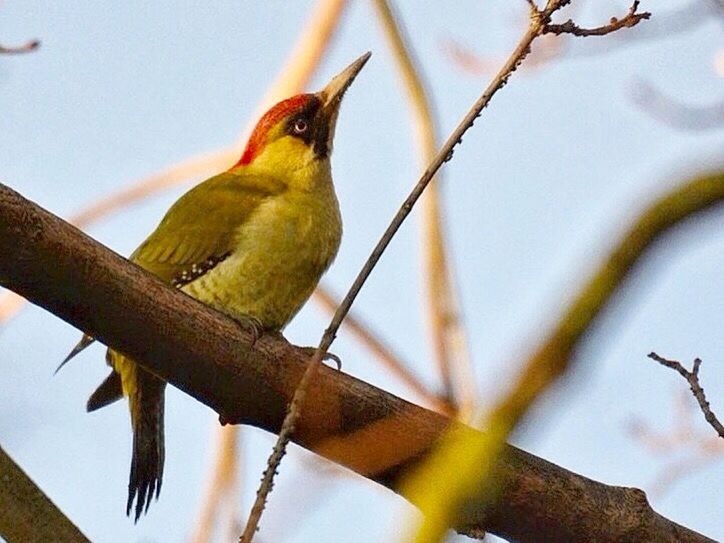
269,120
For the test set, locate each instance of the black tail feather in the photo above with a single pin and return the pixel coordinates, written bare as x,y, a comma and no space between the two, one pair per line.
147,413
107,392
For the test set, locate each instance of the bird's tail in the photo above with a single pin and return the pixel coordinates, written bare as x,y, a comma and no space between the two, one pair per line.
145,394
146,404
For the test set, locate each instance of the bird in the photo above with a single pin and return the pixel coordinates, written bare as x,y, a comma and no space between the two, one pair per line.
251,242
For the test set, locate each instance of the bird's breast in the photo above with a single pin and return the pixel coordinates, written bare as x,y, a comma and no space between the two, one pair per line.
281,252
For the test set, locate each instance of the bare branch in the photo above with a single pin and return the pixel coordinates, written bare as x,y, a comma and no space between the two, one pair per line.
384,353
27,514
631,19
371,432
462,463
692,377
444,155
28,47
447,331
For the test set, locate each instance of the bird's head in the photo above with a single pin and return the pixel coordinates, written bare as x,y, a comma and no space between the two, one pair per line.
296,134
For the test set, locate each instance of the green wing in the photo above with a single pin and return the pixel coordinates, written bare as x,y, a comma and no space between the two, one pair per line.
199,230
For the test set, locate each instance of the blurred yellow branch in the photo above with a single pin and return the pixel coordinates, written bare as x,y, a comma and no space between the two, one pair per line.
464,461
463,464
447,331
223,484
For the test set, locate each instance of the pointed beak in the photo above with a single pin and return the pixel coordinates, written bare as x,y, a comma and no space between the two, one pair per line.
332,94
331,98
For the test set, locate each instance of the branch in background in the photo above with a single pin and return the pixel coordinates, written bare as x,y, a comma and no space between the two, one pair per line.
665,25
692,377
547,48
460,462
688,450
447,331
26,514
631,19
675,114
463,463
223,485
444,155
368,430
385,355
28,47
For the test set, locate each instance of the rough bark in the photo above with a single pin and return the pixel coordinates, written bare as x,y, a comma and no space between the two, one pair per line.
350,422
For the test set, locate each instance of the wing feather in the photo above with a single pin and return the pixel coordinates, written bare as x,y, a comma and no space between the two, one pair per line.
199,230
201,226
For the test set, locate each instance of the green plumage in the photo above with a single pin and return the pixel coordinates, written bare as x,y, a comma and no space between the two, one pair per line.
251,242
202,224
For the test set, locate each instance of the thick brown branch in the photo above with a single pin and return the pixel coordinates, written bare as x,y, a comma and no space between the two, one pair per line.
345,420
692,377
26,514
632,18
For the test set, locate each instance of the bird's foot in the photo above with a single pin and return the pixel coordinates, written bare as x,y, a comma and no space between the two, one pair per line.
253,325
309,351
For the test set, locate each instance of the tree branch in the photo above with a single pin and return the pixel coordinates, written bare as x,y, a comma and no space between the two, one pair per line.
692,377
368,430
26,514
27,47
632,18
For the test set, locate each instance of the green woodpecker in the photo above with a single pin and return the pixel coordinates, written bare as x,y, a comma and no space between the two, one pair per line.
251,242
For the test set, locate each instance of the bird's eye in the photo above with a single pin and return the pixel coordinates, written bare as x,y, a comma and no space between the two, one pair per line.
300,126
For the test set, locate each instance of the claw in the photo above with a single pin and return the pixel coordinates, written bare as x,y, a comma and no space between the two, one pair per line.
254,325
309,351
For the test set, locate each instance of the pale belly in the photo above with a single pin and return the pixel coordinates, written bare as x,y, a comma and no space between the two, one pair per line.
280,257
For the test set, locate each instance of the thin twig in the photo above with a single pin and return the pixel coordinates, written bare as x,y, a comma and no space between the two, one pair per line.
444,155
463,463
384,353
444,314
354,424
28,47
692,377
631,19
